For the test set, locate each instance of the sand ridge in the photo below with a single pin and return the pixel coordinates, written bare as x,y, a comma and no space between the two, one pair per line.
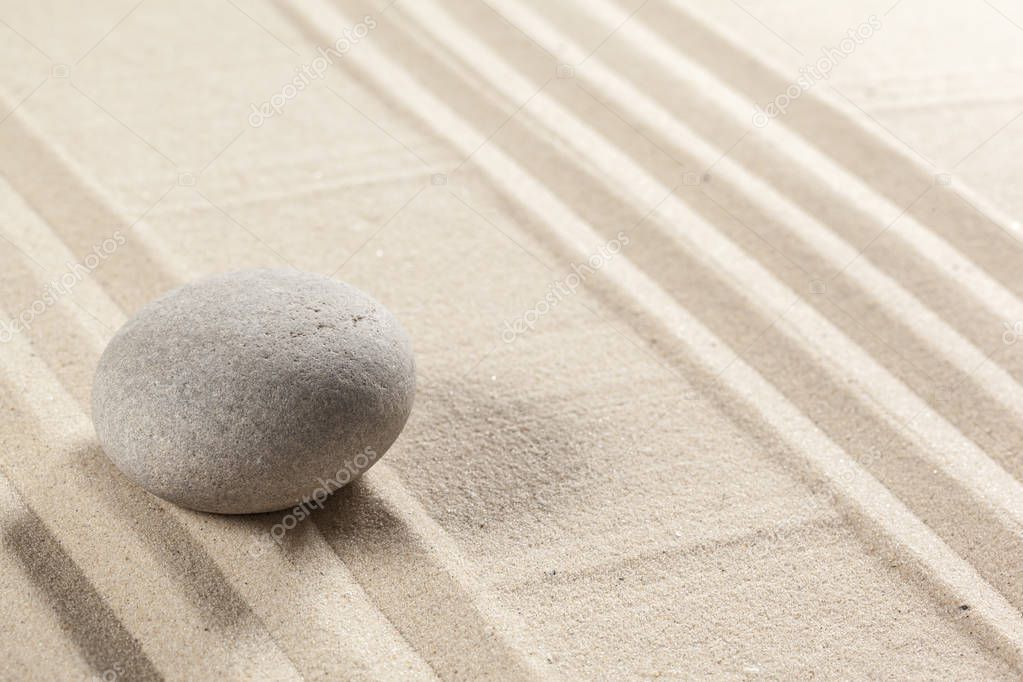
693,466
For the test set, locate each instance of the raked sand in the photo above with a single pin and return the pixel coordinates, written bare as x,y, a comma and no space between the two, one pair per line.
696,398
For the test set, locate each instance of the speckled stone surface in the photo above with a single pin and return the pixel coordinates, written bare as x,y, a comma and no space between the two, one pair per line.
245,392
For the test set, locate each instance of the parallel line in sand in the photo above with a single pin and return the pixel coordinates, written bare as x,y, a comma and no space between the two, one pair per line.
20,594
930,328
477,628
792,148
338,617
456,584
86,619
838,128
874,504
40,174
513,651
92,539
988,539
955,287
900,407
976,545
309,573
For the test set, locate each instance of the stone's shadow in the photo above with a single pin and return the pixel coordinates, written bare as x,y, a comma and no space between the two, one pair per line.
396,555
275,532
202,582
478,452
532,461
411,579
354,516
104,642
356,519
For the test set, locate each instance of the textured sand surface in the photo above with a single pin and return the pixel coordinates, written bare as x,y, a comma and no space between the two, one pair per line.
695,397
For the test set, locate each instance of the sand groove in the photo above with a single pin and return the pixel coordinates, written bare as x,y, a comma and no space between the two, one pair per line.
69,651
180,539
927,353
575,234
891,396
889,168
491,652
993,497
924,262
35,463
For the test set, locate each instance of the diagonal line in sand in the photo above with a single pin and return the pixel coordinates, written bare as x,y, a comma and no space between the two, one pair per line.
642,349
757,234
70,298
519,29
629,123
881,232
942,337
827,297
499,128
617,28
994,223
880,125
831,142
307,579
765,289
937,562
773,323
40,471
946,340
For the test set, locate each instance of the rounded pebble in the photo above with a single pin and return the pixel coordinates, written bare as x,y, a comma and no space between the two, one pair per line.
253,391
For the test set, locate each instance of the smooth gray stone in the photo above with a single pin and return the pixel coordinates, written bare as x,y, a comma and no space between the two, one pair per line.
253,391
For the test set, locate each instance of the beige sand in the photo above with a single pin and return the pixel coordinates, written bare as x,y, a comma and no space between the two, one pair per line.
697,398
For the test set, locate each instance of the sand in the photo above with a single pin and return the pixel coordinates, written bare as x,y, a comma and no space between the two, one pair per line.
696,397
